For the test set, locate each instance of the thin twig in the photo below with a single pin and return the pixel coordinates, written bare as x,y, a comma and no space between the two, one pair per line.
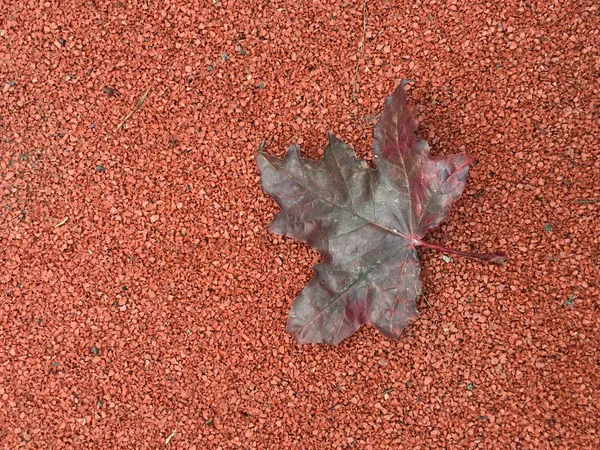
169,437
588,201
391,10
61,223
137,106
426,300
360,50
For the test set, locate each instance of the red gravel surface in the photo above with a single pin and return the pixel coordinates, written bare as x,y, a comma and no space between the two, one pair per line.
143,304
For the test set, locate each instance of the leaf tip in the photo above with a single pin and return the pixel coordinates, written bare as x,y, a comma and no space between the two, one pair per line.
261,160
404,82
293,151
400,90
262,146
261,156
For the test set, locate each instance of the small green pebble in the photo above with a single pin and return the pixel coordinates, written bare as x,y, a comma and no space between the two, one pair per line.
470,387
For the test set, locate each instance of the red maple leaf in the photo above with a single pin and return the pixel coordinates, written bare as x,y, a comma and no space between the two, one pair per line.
366,221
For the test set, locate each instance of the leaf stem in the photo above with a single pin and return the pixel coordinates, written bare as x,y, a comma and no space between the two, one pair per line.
498,257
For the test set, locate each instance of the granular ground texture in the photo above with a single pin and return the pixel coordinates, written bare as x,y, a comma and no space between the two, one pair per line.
143,303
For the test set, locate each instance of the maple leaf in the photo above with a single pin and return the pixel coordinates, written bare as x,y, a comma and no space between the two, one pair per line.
366,221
